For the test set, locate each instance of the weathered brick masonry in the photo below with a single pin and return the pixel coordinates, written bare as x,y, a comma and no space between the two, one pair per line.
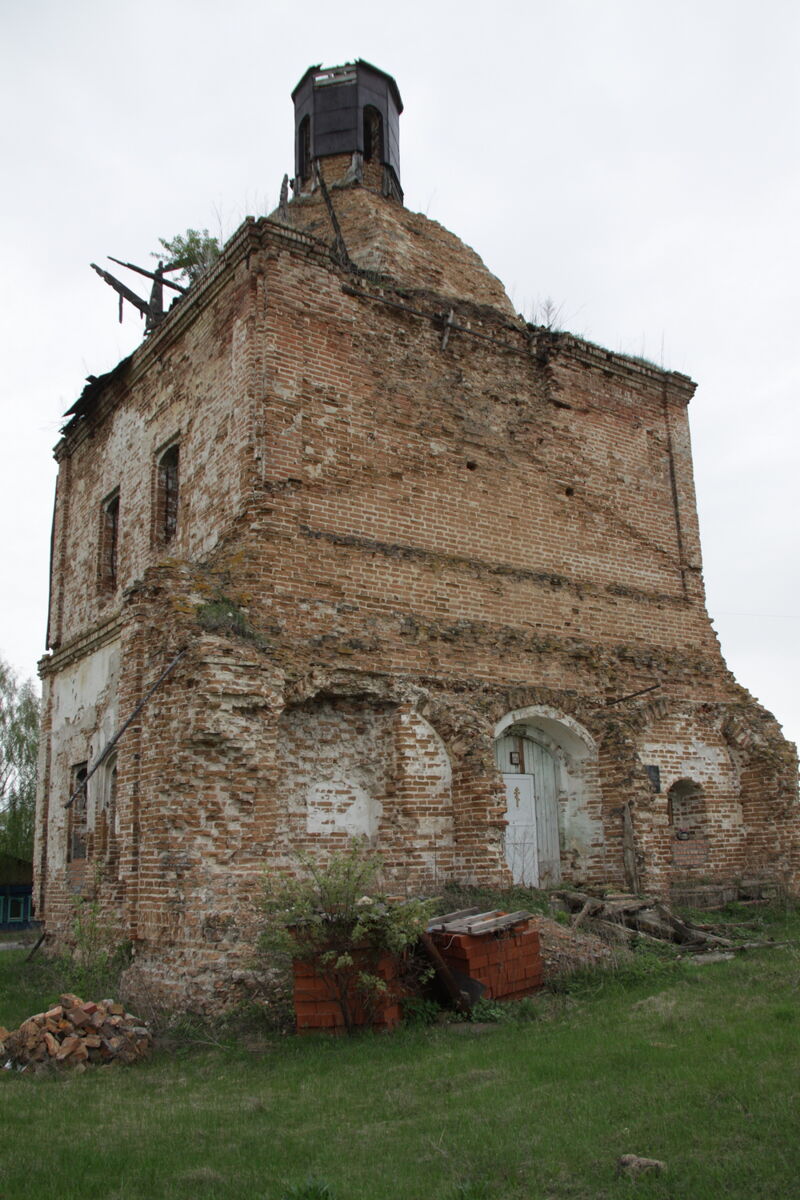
429,565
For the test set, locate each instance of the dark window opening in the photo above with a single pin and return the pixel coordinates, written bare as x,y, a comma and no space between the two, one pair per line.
654,775
304,148
168,494
109,542
78,831
373,134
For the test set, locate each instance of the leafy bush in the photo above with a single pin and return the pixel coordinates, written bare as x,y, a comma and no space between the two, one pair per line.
194,252
99,955
419,1010
333,916
488,1010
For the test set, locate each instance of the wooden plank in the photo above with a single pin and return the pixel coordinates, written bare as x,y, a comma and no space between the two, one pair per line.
124,291
440,922
461,999
501,922
463,925
488,922
35,948
152,274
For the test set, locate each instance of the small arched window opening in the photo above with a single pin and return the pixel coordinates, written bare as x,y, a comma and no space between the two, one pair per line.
686,808
106,825
167,516
304,148
373,134
109,543
78,828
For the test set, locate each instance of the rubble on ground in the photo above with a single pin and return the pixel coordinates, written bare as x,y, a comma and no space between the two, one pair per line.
633,1165
564,949
626,919
75,1034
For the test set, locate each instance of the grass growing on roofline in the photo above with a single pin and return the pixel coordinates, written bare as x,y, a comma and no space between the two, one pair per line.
695,1065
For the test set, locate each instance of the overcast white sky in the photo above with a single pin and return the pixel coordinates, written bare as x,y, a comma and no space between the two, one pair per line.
634,160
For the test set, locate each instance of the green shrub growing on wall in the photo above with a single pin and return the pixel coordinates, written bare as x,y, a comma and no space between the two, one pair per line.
334,916
99,954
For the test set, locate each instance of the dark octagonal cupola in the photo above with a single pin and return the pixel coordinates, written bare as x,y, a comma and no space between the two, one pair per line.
352,110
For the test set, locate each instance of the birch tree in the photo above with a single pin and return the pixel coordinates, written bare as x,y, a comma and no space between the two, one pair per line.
19,744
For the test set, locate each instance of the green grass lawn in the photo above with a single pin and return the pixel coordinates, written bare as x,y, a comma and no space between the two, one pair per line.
695,1065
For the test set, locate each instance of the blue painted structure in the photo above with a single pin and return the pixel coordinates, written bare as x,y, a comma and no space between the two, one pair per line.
16,889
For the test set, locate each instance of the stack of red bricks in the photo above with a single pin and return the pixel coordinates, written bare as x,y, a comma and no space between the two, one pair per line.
317,1005
499,950
75,1034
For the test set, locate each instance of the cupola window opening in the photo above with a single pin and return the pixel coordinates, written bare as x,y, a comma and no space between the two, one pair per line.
373,134
304,148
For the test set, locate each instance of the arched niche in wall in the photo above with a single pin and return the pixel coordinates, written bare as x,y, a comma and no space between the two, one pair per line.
686,808
335,758
548,762
687,815
363,767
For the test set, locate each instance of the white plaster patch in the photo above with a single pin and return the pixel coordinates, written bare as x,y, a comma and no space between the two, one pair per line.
331,809
690,759
85,718
81,687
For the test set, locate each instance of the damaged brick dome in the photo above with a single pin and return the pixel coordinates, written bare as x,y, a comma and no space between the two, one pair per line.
347,189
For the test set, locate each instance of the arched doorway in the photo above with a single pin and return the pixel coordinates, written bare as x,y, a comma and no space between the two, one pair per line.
530,775
555,769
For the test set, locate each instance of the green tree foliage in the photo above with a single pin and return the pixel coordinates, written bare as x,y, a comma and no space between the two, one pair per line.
194,252
19,744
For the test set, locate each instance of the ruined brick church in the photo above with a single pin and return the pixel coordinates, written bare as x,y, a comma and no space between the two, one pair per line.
346,548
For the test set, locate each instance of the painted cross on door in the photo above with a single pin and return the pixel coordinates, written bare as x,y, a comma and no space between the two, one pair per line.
531,839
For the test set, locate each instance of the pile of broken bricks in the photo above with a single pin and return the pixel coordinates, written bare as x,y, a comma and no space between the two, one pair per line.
75,1034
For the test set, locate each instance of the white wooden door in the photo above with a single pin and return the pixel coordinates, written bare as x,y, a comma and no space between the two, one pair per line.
520,837
533,849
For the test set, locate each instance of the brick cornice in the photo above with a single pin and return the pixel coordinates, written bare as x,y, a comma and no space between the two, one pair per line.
89,640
